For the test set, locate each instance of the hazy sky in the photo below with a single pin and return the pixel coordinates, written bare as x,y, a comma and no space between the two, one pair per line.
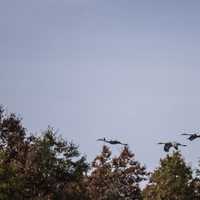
123,69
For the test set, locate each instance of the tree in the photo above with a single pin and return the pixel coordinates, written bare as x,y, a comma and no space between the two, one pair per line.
196,184
53,165
12,148
172,180
37,168
115,178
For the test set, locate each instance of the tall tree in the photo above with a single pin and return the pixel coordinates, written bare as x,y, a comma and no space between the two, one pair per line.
37,168
52,165
115,178
12,148
172,180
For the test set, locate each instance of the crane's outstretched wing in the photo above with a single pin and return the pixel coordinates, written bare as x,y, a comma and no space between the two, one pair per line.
187,134
183,145
101,139
176,145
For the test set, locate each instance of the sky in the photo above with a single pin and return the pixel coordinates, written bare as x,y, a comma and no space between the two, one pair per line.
120,69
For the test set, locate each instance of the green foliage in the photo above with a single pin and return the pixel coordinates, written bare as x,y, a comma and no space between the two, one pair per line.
10,183
37,167
171,181
52,165
196,184
47,167
115,178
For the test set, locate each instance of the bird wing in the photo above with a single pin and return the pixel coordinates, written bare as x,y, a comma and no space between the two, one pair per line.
188,134
161,143
101,139
179,144
176,147
122,143
183,145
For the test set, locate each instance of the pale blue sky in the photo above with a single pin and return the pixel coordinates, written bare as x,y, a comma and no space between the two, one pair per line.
123,69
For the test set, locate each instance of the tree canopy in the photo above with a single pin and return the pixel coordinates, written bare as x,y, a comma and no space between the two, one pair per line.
49,167
171,180
117,177
36,167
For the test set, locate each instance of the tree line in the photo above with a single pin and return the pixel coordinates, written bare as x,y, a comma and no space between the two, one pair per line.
48,167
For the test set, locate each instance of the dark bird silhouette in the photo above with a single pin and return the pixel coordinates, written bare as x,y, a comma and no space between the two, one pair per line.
111,141
192,136
168,145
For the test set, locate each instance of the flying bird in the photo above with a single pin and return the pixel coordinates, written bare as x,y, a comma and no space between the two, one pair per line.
192,136
168,145
111,141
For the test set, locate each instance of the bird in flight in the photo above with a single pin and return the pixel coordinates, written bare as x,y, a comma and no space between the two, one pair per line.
191,136
111,141
168,145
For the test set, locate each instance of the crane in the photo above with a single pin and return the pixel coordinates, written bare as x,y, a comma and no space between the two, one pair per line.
168,145
111,141
191,136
